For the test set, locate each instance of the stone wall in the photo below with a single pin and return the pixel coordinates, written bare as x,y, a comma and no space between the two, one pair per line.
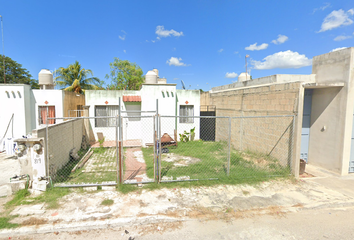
62,137
256,131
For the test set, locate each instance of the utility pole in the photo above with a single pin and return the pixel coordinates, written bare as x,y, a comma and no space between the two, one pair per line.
3,49
246,63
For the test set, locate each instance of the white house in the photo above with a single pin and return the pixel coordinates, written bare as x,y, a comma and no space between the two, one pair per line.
138,107
24,109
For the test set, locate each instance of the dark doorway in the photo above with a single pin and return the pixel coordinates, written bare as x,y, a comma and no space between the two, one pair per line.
207,125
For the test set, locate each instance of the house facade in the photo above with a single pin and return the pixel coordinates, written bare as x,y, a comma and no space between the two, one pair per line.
138,107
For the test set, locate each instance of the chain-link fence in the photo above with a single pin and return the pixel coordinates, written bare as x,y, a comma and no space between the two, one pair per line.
136,148
226,147
82,151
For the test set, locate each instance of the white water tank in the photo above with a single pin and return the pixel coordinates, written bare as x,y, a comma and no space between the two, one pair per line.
45,79
156,71
151,77
244,77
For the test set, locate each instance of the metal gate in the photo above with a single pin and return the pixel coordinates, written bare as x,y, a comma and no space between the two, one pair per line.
306,121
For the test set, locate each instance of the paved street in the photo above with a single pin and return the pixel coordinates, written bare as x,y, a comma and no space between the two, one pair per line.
309,224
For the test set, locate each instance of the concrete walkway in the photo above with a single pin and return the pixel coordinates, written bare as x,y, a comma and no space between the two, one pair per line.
342,184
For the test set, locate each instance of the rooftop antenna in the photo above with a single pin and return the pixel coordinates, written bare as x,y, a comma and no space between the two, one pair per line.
183,86
3,49
247,56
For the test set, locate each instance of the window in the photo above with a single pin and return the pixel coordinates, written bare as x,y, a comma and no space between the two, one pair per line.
186,111
43,114
79,111
106,111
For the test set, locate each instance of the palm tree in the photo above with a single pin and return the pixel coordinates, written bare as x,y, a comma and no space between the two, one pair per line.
68,76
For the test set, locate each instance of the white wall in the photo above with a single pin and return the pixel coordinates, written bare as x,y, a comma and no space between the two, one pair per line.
19,106
193,98
53,97
167,97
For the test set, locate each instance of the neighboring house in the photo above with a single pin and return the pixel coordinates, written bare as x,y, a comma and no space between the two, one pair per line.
137,104
322,102
24,109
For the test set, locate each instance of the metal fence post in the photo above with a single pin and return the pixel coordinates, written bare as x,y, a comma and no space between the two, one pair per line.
121,155
47,145
154,141
292,144
229,149
160,150
117,152
241,132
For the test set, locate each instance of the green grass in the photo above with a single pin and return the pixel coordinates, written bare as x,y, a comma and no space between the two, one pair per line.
213,164
5,224
49,197
18,199
107,202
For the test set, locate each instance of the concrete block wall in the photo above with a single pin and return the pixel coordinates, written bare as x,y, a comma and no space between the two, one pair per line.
272,135
62,137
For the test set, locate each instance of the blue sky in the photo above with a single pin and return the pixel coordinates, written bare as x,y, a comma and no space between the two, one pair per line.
203,43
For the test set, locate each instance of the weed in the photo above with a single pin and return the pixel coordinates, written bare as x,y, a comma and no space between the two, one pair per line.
18,198
51,197
126,188
4,222
101,141
107,202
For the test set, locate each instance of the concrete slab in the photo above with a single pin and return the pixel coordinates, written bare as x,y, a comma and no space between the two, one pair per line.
29,210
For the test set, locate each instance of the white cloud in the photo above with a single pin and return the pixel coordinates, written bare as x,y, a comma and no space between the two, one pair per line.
281,39
287,59
322,8
341,38
336,19
337,49
231,75
122,37
220,50
124,51
161,32
253,47
236,52
175,62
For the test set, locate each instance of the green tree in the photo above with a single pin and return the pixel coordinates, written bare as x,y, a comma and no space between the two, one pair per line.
125,75
67,76
15,73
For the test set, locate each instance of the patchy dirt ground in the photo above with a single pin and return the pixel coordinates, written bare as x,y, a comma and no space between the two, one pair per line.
207,203
178,160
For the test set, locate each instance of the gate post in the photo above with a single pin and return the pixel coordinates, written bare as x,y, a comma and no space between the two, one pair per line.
154,141
117,153
229,149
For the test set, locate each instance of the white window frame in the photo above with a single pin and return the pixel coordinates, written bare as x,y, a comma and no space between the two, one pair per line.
186,111
110,111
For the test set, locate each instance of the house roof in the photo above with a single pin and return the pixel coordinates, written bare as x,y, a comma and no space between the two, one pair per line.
131,98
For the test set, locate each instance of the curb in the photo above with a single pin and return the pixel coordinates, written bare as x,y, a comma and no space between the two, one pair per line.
85,225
